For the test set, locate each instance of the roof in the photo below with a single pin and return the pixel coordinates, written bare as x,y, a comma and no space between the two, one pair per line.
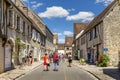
68,41
61,46
79,26
49,30
55,36
99,18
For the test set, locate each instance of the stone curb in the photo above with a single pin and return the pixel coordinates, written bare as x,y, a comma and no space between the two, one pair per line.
88,71
27,71
94,74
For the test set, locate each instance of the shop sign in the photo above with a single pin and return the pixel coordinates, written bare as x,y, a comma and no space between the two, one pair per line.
105,49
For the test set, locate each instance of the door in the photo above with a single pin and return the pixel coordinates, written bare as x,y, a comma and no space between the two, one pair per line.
8,60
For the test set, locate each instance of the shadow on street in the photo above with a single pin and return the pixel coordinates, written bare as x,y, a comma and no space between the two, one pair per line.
114,73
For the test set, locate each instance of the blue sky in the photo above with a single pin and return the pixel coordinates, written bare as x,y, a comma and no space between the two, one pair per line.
59,15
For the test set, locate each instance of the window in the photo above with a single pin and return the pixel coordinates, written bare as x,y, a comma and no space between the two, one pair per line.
40,37
0,10
15,20
28,29
95,31
91,35
83,40
10,18
18,23
23,27
32,33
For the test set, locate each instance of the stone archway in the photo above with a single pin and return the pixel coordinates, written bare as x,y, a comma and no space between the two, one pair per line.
9,48
11,41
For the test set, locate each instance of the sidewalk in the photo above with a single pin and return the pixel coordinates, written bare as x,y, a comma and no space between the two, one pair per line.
102,73
19,71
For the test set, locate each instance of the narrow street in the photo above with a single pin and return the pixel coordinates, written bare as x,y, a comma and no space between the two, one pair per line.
64,73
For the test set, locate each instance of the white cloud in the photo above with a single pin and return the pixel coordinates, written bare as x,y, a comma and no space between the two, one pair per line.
84,16
68,33
105,2
54,11
25,0
37,5
33,2
61,40
59,34
71,9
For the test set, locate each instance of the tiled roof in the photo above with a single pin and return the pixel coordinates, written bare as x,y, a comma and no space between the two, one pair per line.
61,46
68,41
79,26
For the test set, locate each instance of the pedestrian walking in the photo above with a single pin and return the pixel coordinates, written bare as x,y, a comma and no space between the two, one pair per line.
69,59
50,57
63,57
30,58
56,61
46,62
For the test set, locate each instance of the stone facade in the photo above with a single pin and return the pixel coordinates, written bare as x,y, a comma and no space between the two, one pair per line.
15,23
49,41
111,25
19,26
55,41
68,44
82,47
102,35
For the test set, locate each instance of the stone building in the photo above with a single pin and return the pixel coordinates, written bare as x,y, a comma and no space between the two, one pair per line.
19,27
78,30
61,48
102,35
55,41
11,28
49,41
38,36
68,44
4,4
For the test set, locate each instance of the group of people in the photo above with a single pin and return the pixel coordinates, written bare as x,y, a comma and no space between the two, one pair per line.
28,59
55,58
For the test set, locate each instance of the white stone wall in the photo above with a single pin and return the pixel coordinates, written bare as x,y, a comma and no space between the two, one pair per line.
111,25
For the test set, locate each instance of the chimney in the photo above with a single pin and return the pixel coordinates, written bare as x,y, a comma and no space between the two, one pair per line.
25,10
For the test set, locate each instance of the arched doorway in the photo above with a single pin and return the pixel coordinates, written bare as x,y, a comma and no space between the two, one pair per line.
8,54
